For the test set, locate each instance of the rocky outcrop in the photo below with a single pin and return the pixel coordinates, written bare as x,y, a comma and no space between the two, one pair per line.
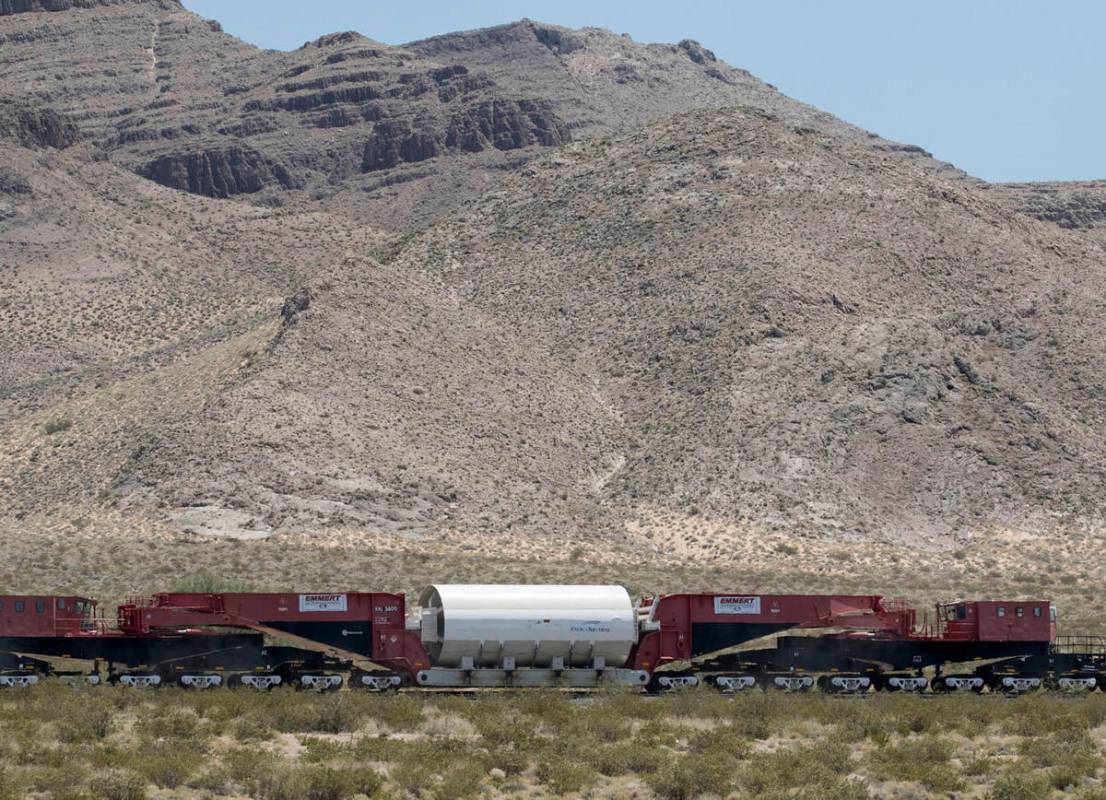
9,7
219,172
36,127
696,52
1073,206
499,124
506,126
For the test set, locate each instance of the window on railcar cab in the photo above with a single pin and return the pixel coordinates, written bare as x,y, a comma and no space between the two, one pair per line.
1001,611
40,606
1036,611
61,604
1,605
18,606
1019,612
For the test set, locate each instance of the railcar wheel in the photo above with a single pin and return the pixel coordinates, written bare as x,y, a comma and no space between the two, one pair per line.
903,683
375,681
19,680
259,681
958,683
844,684
1074,684
1014,684
731,684
202,680
139,680
788,683
318,682
674,683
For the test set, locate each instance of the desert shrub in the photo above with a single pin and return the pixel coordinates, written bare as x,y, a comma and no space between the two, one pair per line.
316,783
622,758
167,764
510,758
118,785
821,765
562,772
923,760
321,751
1069,755
834,789
655,735
378,748
54,780
724,742
251,729
87,720
57,425
551,710
460,780
175,723
628,705
685,777
244,766
1021,784
10,787
412,777
1040,714
398,712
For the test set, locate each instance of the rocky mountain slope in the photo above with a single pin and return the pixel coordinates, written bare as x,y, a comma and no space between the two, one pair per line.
792,328
523,279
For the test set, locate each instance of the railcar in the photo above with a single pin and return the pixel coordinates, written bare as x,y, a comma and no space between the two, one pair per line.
518,636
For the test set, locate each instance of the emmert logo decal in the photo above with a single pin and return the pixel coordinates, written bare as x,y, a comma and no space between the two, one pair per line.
731,604
323,602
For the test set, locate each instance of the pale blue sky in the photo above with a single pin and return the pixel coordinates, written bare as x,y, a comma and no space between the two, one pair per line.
1006,89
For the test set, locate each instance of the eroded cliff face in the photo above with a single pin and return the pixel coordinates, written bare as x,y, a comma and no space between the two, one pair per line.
218,173
9,7
32,126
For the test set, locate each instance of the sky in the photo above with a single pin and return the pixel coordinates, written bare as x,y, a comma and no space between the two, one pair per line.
1009,90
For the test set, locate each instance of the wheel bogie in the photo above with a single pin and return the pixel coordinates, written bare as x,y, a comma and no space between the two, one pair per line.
318,682
202,680
904,683
789,683
958,683
139,680
19,680
731,684
835,683
1015,683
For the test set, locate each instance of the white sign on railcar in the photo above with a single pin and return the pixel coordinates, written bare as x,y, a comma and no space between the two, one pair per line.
322,602
736,605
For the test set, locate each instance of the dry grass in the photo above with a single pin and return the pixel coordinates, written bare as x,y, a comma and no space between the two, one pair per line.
114,743
108,554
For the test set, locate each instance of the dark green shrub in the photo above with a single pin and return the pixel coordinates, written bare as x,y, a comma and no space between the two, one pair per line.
118,785
1020,784
686,777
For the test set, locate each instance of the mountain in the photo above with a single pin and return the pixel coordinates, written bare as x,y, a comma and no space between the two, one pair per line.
525,279
395,135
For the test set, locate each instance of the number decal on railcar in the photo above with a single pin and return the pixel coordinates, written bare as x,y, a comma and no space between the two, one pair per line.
736,605
323,602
